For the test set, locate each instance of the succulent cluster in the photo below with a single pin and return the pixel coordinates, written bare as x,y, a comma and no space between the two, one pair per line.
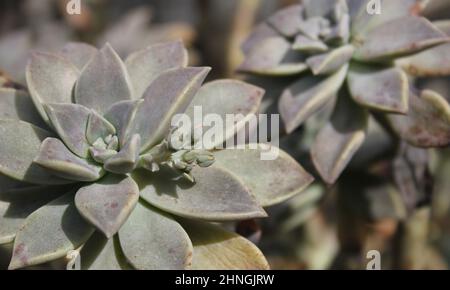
349,63
86,164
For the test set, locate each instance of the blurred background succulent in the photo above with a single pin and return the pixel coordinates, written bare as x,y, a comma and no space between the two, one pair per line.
348,63
88,164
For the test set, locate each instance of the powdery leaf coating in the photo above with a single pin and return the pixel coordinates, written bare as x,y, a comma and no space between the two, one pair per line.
18,151
306,96
337,142
406,35
57,159
385,89
216,195
224,97
273,55
287,20
98,127
169,94
152,240
50,79
270,181
50,233
427,123
17,105
70,122
103,81
121,115
125,161
331,61
108,203
17,204
146,65
218,249
78,53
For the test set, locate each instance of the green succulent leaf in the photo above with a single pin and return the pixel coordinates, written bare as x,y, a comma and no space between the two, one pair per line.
427,123
383,89
98,127
146,65
287,20
50,233
78,53
16,205
218,249
307,95
17,105
121,115
406,35
57,159
331,61
100,253
18,148
70,122
125,161
216,195
224,97
270,181
338,141
273,56
152,240
103,81
50,79
108,203
169,94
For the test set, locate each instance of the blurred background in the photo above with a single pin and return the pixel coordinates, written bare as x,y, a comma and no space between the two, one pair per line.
393,198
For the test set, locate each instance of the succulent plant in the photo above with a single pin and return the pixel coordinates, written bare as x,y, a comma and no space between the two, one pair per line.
87,164
349,63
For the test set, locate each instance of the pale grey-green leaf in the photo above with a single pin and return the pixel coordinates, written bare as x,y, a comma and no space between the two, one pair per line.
50,79
70,122
146,65
270,181
383,89
19,145
331,61
169,94
125,161
287,20
98,127
108,203
121,115
306,96
224,97
337,142
16,205
103,82
17,105
219,249
57,159
216,194
50,233
78,53
151,240
405,35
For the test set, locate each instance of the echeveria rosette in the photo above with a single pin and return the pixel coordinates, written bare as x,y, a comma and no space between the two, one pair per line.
86,164
337,49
